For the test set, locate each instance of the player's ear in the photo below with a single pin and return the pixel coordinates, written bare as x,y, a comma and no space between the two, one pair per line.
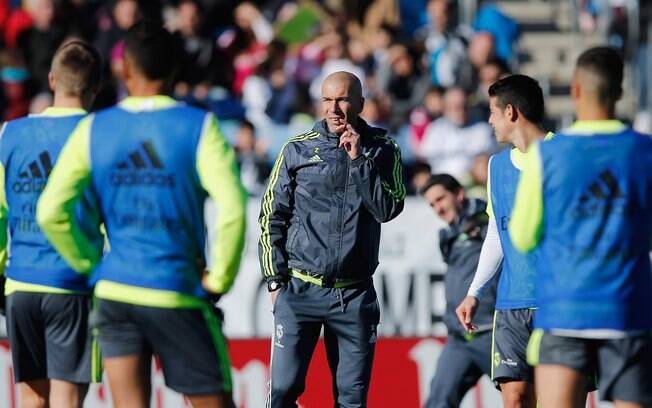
575,87
620,93
511,113
460,195
52,82
361,107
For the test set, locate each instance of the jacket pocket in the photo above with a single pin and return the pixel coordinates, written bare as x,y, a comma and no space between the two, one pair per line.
293,234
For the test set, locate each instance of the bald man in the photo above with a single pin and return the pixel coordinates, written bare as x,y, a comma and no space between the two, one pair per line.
584,201
328,193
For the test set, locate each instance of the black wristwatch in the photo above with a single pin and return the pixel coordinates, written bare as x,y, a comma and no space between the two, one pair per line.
274,285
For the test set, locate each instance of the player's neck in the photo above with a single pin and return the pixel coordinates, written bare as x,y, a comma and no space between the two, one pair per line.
594,112
63,101
527,134
143,87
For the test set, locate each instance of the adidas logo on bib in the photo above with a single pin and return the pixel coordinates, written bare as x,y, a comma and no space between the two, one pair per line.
143,167
33,179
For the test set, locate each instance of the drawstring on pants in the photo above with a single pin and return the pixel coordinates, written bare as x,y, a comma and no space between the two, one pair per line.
341,296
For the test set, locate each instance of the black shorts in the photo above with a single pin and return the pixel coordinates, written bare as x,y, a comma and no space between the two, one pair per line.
623,365
50,337
512,329
188,342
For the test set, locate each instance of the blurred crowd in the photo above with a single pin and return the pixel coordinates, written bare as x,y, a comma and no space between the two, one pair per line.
259,65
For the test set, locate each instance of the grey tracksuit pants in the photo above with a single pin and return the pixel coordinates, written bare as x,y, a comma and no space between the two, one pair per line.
461,364
349,317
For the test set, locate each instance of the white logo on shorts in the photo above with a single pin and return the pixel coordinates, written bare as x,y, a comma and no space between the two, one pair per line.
509,362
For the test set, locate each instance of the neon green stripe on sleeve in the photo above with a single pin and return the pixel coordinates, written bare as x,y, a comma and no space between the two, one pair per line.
56,206
398,189
267,207
4,215
268,199
527,217
218,174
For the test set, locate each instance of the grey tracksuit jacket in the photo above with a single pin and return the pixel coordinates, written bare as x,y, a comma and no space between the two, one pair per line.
321,212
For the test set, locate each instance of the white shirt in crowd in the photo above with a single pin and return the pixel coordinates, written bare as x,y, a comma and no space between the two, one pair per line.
449,148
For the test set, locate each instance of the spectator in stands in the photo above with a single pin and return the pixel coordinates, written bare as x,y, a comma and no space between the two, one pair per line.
490,72
253,33
198,60
16,90
479,52
269,94
364,17
452,142
252,159
476,183
403,82
643,60
113,25
360,54
384,37
116,65
421,172
336,58
431,109
504,29
445,43
374,111
18,20
39,42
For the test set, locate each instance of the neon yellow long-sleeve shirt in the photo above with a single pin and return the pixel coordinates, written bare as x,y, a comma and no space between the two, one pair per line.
218,175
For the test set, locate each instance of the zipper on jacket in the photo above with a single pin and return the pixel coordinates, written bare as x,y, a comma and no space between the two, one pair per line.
339,253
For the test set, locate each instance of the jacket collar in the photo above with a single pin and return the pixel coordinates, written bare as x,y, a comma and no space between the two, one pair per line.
470,207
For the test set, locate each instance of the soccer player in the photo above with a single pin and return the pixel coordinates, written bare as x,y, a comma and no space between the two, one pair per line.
151,163
465,356
48,303
517,108
585,201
